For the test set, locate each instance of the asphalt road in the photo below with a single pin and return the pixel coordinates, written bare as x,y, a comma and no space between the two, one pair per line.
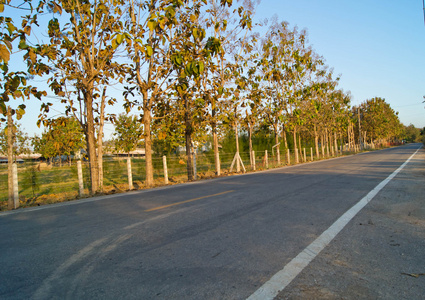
215,239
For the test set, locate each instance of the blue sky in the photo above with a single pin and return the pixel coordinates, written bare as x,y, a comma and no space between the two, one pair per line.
378,46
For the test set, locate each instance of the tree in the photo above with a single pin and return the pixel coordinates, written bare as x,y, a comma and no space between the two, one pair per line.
13,83
82,57
230,30
20,141
44,145
253,104
378,120
287,65
64,137
13,142
128,133
191,53
149,35
411,133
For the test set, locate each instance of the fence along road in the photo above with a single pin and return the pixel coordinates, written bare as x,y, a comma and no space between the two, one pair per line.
216,239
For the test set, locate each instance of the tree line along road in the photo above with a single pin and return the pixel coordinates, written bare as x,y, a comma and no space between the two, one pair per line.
226,238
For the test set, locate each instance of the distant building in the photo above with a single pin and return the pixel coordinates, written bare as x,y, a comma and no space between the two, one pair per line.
21,158
139,152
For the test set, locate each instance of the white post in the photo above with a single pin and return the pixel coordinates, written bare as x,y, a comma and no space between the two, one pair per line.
15,186
266,159
164,163
305,156
80,179
311,154
129,174
253,160
219,164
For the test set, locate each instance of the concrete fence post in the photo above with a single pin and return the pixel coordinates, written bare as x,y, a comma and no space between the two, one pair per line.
305,156
80,178
164,163
311,154
266,159
219,164
129,174
15,186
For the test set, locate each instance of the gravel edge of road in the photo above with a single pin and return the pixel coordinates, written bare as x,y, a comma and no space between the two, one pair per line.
379,255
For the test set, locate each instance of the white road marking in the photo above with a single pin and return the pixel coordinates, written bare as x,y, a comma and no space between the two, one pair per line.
281,279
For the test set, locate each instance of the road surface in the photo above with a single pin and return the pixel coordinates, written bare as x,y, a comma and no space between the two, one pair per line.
226,238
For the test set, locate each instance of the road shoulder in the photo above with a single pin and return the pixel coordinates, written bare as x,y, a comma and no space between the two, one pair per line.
380,252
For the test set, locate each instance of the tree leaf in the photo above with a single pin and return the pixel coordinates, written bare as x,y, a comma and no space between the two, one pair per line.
201,67
22,44
57,8
3,108
151,25
4,53
19,113
120,38
149,51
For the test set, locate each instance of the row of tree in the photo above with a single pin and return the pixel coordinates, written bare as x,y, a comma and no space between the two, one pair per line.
192,68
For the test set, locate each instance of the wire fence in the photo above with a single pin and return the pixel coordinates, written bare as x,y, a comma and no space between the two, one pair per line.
41,183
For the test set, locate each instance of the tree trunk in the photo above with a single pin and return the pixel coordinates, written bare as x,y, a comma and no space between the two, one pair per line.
91,144
188,136
215,141
300,147
10,202
238,164
216,153
276,141
316,142
327,143
251,158
295,145
189,164
100,139
284,138
148,146
336,143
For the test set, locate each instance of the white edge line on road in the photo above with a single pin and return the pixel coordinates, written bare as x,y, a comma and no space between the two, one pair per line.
283,278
